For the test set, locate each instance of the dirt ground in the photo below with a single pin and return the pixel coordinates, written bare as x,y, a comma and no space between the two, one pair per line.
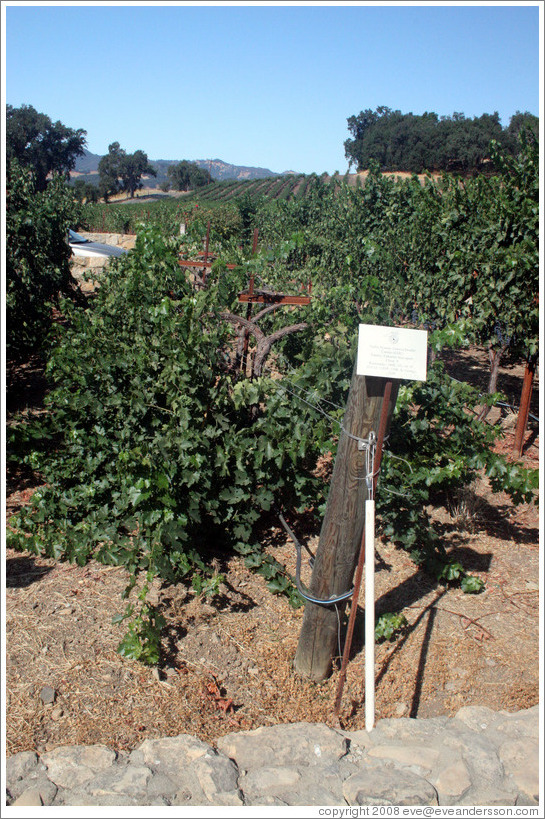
229,667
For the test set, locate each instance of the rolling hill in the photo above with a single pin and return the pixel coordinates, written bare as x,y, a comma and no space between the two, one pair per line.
87,166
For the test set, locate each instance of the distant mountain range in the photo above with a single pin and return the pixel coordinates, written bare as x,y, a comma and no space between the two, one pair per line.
87,165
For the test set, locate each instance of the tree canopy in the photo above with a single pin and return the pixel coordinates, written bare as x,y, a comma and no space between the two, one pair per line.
416,143
45,147
37,257
85,191
186,176
120,171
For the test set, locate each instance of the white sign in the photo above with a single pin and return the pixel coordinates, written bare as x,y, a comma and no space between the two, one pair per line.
392,352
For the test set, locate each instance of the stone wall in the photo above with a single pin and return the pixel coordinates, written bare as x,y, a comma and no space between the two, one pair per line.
126,240
478,757
80,266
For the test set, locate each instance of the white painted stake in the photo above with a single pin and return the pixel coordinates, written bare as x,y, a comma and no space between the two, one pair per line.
369,615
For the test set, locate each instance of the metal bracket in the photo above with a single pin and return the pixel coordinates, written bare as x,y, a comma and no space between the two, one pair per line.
304,592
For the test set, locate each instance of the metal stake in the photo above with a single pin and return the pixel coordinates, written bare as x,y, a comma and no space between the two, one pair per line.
524,409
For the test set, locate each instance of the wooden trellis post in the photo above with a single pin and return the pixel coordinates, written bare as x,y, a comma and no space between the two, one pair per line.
385,355
342,527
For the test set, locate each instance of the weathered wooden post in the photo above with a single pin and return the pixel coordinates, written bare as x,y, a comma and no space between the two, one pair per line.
385,355
342,527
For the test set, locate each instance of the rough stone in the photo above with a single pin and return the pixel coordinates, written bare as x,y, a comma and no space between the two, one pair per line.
82,265
401,709
292,786
452,782
262,801
409,729
36,780
269,780
171,755
527,782
80,798
375,786
126,240
195,772
131,779
296,744
69,766
522,799
21,765
218,778
520,724
486,796
476,717
482,760
359,741
48,695
410,755
512,751
159,786
29,798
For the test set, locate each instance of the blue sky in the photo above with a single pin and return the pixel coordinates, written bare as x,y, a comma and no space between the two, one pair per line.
269,85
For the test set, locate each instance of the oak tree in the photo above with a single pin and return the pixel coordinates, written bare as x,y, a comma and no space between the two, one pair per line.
186,176
47,148
120,171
